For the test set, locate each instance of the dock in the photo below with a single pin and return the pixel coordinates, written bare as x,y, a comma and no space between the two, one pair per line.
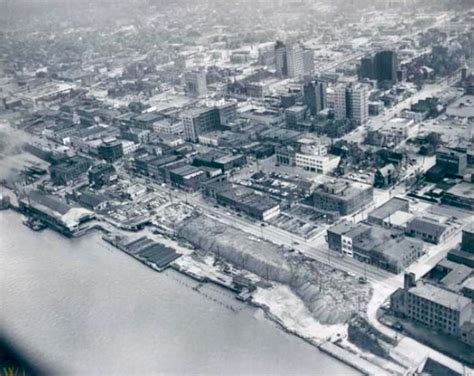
155,255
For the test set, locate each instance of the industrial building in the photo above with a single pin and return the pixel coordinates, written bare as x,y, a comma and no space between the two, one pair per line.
54,212
433,306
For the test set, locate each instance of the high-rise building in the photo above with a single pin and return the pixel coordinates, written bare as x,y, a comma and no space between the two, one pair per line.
382,67
315,96
386,66
352,102
195,83
197,121
280,59
367,68
358,103
340,102
308,62
294,56
290,60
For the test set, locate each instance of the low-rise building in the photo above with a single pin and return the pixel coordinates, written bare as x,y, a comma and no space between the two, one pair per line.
57,214
382,213
187,177
460,195
111,150
129,147
464,254
400,127
433,229
169,126
314,157
102,175
69,169
243,199
385,176
387,249
342,197
341,237
294,115
221,160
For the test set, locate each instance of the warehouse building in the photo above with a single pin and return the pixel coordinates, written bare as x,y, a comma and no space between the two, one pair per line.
433,306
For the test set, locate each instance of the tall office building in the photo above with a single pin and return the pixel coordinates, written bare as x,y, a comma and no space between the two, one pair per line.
197,121
358,103
386,66
290,60
294,56
280,59
315,96
367,68
340,102
308,62
383,67
195,83
352,102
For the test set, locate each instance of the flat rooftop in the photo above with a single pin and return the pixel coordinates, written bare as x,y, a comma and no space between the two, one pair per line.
462,189
399,218
440,296
462,107
390,207
350,229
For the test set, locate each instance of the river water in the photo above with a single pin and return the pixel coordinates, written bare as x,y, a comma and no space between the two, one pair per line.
82,307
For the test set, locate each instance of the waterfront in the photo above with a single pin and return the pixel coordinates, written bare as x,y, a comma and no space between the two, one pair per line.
81,307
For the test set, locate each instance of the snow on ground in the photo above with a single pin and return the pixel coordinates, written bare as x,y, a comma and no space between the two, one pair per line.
202,268
291,312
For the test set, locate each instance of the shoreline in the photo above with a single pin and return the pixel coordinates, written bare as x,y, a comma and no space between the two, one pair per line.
340,354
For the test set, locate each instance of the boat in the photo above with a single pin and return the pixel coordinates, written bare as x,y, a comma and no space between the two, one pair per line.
34,224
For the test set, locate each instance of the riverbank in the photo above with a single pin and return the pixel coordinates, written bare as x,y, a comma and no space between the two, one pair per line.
279,303
300,323
83,307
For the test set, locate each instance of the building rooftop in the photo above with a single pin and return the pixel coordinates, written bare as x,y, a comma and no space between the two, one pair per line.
440,296
349,229
187,171
399,218
396,250
390,207
148,117
428,225
343,189
463,107
462,189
